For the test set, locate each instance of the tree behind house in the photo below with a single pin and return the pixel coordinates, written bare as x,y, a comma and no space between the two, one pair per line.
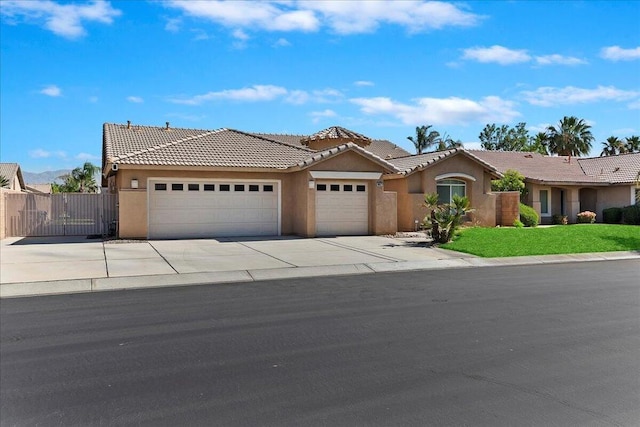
80,180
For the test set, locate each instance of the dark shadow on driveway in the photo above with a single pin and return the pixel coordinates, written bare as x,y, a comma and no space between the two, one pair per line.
52,240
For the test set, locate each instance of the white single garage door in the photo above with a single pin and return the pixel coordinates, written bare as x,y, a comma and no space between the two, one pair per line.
342,208
191,209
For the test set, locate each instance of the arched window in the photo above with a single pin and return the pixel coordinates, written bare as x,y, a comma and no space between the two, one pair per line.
448,187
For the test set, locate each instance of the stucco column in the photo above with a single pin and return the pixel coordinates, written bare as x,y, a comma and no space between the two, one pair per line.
573,204
534,196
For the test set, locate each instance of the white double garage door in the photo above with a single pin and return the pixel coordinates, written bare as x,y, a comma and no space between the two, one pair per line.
215,208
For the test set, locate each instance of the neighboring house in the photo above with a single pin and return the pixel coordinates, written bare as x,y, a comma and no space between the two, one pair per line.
13,173
559,186
180,183
39,188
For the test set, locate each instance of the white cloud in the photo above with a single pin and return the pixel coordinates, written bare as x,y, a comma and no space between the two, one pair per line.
363,83
199,34
625,131
550,96
616,53
317,115
40,153
247,14
441,111
65,20
559,59
135,99
354,17
496,53
248,94
634,105
257,93
343,17
282,42
540,127
52,90
240,35
86,157
173,25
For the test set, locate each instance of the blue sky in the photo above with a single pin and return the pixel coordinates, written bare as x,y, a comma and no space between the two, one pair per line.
379,68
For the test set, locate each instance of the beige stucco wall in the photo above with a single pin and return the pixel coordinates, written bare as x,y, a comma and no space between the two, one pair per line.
507,207
613,196
298,200
411,190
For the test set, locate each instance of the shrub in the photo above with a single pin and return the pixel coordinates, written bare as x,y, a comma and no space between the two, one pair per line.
560,219
518,224
586,217
445,219
631,214
512,180
612,215
528,216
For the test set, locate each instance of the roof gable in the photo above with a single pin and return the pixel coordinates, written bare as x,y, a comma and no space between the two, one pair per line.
411,164
11,171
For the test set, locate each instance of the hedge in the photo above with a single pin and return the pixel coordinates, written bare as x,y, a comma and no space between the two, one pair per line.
631,214
612,215
528,216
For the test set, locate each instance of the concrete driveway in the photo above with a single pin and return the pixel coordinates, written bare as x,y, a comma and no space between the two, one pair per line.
43,266
33,259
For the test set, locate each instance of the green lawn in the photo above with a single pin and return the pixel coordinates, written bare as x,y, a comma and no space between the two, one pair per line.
561,239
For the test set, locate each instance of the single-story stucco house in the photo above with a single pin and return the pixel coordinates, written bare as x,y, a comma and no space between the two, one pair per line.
183,183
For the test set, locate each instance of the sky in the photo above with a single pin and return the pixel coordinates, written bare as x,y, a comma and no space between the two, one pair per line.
379,68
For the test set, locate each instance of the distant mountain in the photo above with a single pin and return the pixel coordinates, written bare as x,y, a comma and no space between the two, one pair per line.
46,177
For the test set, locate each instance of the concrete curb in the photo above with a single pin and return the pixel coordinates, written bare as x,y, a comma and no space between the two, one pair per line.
24,289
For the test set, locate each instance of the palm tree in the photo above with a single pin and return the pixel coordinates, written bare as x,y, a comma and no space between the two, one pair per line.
85,178
445,142
539,144
612,146
4,181
572,137
424,139
632,144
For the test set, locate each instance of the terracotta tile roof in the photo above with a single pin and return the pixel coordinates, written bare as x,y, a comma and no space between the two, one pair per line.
186,147
410,164
380,147
335,132
620,169
537,167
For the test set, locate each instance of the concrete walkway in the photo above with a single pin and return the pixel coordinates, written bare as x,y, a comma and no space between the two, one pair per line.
54,265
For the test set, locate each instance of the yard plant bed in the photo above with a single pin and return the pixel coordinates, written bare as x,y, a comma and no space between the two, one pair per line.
561,239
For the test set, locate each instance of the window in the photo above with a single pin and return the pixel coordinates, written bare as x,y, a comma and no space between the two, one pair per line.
322,187
267,188
335,187
254,188
347,187
637,199
209,187
360,188
544,202
225,187
194,187
177,187
238,187
161,187
447,188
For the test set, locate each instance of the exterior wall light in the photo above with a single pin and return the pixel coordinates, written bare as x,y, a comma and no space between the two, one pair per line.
134,183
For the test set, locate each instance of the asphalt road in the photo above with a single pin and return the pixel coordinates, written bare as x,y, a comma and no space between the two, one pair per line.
527,346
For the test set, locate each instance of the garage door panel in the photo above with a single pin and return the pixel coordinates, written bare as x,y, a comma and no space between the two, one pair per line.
341,209
191,214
